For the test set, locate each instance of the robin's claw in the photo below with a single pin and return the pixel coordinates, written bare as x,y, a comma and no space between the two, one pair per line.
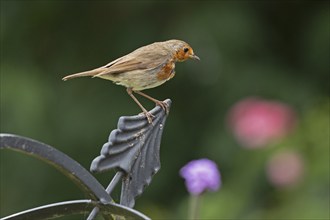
149,116
164,106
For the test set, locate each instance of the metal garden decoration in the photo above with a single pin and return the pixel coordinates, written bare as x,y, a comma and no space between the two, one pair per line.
132,150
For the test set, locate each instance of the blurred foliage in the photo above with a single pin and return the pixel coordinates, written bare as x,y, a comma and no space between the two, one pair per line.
274,50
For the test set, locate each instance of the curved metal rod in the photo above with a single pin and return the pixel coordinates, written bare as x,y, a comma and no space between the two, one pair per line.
75,207
109,189
60,161
55,210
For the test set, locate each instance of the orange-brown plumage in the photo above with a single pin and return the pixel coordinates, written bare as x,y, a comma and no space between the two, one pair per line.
167,71
144,68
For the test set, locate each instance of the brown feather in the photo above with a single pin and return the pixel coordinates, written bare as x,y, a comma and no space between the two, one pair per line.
85,73
147,57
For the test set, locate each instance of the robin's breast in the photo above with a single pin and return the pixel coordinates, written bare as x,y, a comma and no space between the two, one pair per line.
166,72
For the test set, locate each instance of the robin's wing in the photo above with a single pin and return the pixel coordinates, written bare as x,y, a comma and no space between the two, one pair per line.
147,57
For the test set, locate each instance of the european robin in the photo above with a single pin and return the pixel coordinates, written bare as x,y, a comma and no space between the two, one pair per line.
144,68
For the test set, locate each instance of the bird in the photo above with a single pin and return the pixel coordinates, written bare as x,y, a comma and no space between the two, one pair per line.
145,68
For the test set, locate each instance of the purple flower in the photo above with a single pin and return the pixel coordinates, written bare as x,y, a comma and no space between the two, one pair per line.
201,175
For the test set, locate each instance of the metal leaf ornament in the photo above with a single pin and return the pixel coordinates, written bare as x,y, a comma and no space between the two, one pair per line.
133,149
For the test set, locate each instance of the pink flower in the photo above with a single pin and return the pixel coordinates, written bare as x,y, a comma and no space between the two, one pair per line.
256,122
285,169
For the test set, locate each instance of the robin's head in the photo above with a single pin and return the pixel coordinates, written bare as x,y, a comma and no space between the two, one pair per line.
182,50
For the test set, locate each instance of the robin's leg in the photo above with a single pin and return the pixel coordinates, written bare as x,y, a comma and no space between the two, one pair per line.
160,103
146,113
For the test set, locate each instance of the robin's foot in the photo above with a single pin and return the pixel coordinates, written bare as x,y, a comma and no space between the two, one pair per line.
149,116
163,105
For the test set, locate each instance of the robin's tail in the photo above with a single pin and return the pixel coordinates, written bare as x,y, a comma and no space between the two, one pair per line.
86,73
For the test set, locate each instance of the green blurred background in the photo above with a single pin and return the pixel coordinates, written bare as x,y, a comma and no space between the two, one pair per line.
273,50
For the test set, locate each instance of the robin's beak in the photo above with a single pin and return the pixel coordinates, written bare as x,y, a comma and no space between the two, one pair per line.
193,56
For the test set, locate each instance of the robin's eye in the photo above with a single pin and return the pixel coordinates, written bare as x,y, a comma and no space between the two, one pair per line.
185,49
